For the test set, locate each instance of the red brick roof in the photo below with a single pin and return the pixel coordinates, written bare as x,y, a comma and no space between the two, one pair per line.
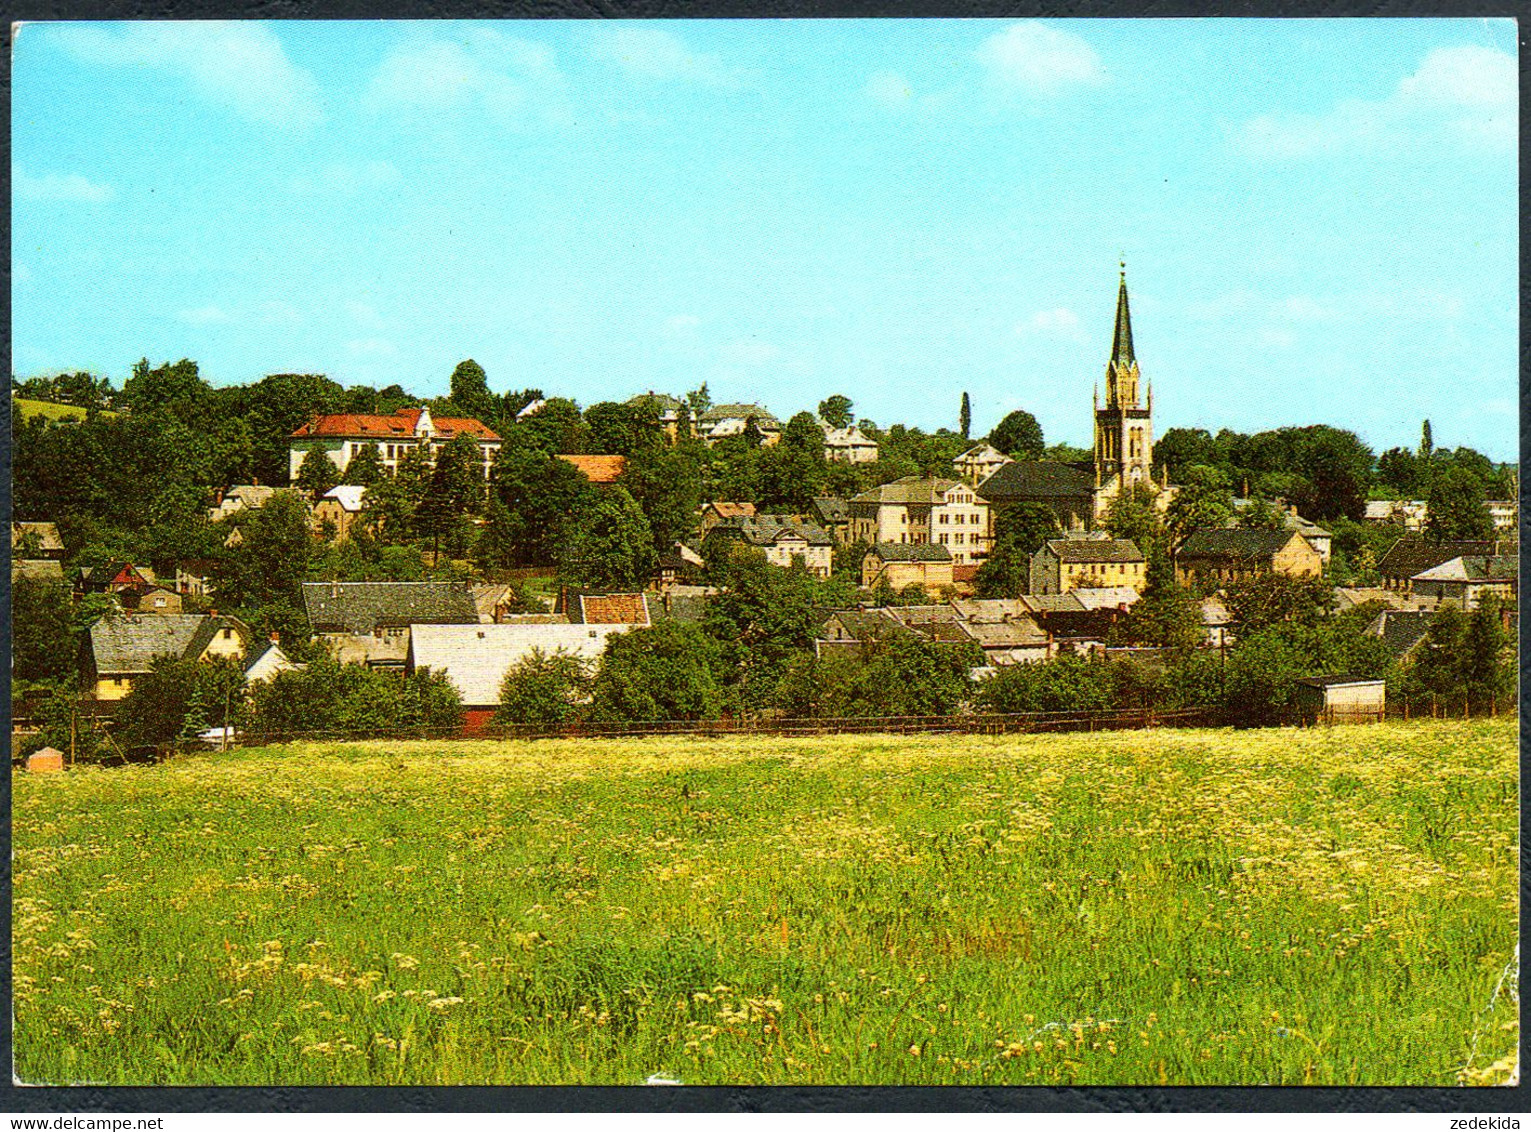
598,469
401,423
734,510
613,609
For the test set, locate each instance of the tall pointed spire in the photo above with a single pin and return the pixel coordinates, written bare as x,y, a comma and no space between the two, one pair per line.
1121,344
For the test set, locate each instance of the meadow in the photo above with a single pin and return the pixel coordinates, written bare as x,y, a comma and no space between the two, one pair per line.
27,407
1326,907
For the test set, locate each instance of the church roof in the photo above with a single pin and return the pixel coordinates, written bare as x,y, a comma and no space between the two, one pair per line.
1024,480
1121,342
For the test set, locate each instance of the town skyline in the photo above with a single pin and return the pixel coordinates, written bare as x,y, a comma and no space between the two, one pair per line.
599,211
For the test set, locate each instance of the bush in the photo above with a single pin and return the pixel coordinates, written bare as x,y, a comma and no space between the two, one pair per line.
665,672
352,699
1069,683
545,688
897,675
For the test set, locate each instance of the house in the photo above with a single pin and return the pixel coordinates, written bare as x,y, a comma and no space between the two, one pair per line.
782,539
37,541
1068,491
1216,622
47,571
340,507
918,511
1065,564
1321,540
848,445
1347,598
1413,553
493,601
1115,598
120,648
676,566
1005,630
845,631
116,576
721,512
609,609
1221,555
1410,513
475,658
938,622
834,516
681,603
599,470
154,600
719,422
902,564
1341,699
238,498
979,463
193,577
669,410
1506,516
340,436
1072,626
1402,630
369,622
268,662
1466,580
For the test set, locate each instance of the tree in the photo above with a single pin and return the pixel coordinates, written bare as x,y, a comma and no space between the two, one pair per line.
1486,674
276,405
470,390
792,473
664,672
1131,515
609,546
1260,514
836,411
1019,435
1202,501
1270,599
454,491
272,559
666,483
496,545
1165,616
556,427
1426,442
365,468
544,688
176,700
542,496
896,675
1456,508
1400,470
1335,467
1019,532
1069,683
620,429
965,416
317,473
699,400
42,640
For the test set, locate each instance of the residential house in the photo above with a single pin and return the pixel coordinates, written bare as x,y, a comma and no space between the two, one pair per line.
782,539
669,410
1005,630
979,463
1216,622
1402,630
340,436
369,622
1408,512
1221,555
1347,598
340,507
937,622
1068,491
846,631
268,662
609,609
681,603
719,422
1464,581
1117,598
848,445
1413,553
1065,564
720,511
37,541
238,498
476,658
902,564
1506,516
116,576
193,577
155,600
918,511
1321,540
493,600
1341,699
1072,626
121,648
599,470
675,567
833,515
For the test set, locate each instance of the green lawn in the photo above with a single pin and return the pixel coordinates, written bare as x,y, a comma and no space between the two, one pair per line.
27,407
1190,907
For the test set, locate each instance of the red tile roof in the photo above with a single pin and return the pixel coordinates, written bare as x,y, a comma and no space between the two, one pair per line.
734,510
613,609
401,423
598,469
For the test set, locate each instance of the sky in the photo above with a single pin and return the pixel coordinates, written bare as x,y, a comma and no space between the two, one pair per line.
1318,217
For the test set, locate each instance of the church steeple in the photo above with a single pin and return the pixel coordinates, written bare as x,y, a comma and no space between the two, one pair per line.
1121,345
1122,369
1124,436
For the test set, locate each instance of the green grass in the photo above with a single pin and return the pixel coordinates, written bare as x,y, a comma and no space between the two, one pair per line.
1184,907
28,407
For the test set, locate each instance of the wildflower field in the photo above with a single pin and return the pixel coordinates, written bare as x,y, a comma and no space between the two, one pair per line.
1185,907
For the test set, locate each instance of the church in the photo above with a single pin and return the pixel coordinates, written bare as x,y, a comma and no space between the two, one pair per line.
1080,494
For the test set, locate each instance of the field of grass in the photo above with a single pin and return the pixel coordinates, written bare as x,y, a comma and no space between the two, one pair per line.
27,407
1184,907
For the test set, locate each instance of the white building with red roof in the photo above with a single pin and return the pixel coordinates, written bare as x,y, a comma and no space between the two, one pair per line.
340,436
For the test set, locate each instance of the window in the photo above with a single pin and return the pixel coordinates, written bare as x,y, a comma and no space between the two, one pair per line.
228,634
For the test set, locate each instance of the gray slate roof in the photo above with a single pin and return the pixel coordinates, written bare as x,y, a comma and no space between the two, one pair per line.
130,644
1401,630
911,552
1413,553
1095,550
909,489
1023,480
767,530
832,510
361,607
1236,544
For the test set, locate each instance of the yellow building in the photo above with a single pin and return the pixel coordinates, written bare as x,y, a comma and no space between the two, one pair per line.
121,648
1222,556
908,564
1066,564
919,511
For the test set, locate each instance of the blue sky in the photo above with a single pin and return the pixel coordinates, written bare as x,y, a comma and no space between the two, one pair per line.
1319,218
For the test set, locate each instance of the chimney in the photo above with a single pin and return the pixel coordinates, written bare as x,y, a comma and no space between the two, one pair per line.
334,587
212,613
276,638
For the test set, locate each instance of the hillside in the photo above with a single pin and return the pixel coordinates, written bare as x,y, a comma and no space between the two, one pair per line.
27,407
1192,907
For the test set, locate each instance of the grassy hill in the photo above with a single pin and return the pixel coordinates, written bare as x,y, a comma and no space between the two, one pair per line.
28,407
1191,907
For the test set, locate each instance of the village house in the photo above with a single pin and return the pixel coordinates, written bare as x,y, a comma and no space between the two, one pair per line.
1320,539
1073,626
848,445
340,436
719,422
238,498
903,564
845,631
631,609
1061,565
1505,514
599,470
833,515
677,566
979,463
119,649
1224,556
37,541
1413,553
669,410
115,576
149,600
193,577
267,662
1410,513
475,658
47,571
1005,630
721,511
782,539
369,622
1466,580
919,511
340,507
1064,489
1403,631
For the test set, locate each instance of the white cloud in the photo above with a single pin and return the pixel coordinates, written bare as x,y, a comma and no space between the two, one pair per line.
1038,59
889,88
237,64
372,348
59,187
205,316
653,53
1466,93
501,74
348,178
1059,322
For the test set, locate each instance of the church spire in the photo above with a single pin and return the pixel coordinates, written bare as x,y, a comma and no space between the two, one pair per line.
1121,345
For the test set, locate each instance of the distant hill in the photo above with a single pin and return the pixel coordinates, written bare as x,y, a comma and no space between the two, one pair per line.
27,407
